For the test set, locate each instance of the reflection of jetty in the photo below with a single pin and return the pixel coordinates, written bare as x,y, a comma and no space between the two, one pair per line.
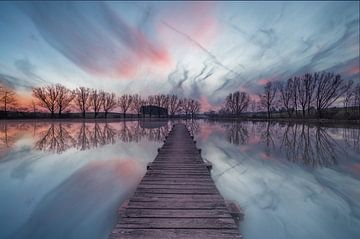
177,197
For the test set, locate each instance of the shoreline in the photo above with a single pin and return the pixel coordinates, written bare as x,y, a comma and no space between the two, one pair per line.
321,122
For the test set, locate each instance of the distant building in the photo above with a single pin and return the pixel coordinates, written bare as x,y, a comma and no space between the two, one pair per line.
153,111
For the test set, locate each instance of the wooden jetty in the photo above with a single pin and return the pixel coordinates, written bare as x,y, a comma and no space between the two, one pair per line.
177,197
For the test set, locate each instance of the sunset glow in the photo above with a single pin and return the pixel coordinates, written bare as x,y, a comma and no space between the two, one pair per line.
137,47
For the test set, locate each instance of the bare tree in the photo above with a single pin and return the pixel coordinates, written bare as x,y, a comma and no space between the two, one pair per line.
160,101
194,107
237,102
253,106
33,106
82,99
180,107
286,93
150,100
95,101
267,98
186,105
137,102
64,98
357,97
7,99
165,99
125,103
47,97
174,104
295,96
305,89
348,97
108,102
329,88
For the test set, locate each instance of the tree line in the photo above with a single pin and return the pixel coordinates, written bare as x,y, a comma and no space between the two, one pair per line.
304,96
58,99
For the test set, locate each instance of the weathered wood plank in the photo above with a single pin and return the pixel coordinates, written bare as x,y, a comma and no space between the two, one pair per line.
190,183
177,197
175,233
171,213
177,186
180,171
177,204
181,223
180,191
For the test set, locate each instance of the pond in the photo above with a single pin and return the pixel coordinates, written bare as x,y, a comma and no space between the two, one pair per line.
66,179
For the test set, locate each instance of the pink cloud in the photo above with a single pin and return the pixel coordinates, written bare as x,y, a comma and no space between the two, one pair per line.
196,19
354,70
206,105
356,167
244,148
266,156
263,82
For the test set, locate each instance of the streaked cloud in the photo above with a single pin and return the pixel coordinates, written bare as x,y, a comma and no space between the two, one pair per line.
203,50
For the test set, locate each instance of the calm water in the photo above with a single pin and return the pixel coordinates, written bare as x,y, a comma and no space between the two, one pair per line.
66,180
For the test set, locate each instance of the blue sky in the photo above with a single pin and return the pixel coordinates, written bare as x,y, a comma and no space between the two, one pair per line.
203,50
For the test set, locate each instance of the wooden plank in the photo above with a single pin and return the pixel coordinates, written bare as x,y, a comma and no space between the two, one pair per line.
177,204
176,166
181,223
177,197
183,172
180,191
177,186
179,170
175,233
170,213
190,183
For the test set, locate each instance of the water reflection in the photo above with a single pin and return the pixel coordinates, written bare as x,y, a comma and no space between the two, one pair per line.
59,137
292,180
192,125
301,143
67,179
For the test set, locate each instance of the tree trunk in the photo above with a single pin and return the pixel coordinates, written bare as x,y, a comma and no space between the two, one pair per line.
83,114
5,108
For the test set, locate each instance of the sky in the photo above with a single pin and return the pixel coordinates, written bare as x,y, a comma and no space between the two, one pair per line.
202,50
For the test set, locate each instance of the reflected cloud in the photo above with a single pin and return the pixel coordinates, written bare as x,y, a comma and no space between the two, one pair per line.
63,212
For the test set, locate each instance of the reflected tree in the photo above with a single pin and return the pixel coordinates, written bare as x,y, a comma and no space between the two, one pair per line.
56,138
237,134
82,139
192,126
310,146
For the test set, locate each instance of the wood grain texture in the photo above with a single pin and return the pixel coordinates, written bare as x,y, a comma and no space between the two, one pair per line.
177,197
